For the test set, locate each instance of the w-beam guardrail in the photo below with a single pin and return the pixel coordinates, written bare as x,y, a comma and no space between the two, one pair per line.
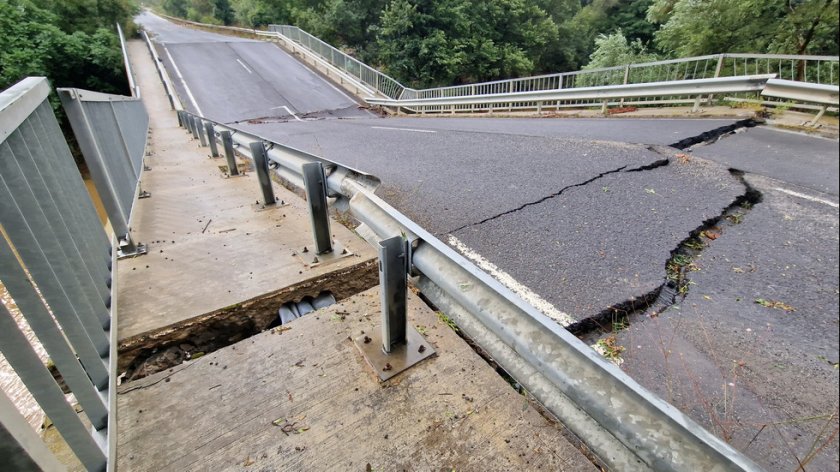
628,427
57,264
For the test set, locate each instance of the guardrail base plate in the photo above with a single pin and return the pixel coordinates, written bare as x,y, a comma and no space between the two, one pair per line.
401,357
309,259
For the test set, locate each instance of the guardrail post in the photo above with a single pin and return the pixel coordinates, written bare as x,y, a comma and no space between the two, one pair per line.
393,286
261,164
194,126
202,139
211,139
696,107
315,181
227,144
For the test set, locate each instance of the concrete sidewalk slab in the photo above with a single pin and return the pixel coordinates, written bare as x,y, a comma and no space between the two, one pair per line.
305,399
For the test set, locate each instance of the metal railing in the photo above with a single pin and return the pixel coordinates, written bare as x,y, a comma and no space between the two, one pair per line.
813,69
369,76
57,264
129,73
112,133
695,91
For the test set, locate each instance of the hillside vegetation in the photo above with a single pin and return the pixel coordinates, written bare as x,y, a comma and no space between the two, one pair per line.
443,42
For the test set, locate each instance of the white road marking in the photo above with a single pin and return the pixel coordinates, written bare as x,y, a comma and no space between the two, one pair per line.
404,129
508,281
808,197
244,66
288,111
183,82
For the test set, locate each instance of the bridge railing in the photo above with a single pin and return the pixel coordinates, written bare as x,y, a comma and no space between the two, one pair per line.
369,76
112,133
57,263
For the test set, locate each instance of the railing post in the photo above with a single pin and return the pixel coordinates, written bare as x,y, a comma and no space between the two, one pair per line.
227,145
315,181
211,139
200,128
393,290
194,126
261,164
718,68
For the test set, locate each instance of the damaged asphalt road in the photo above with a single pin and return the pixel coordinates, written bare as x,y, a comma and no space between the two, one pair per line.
590,215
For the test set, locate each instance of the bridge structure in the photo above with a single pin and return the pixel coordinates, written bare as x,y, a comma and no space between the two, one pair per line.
259,329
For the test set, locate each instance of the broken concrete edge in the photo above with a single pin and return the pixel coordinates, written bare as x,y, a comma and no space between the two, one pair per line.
243,319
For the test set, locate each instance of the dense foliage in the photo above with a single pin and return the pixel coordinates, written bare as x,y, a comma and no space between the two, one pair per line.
441,42
71,42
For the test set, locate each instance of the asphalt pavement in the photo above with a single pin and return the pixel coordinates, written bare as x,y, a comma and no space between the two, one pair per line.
807,161
583,215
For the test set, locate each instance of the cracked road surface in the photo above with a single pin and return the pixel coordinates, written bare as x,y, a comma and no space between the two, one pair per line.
552,207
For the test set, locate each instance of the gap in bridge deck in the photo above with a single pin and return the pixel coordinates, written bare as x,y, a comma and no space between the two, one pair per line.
215,268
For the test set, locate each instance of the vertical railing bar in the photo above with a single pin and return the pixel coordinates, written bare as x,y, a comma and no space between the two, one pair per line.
135,173
40,383
31,445
32,195
70,209
73,188
37,260
36,314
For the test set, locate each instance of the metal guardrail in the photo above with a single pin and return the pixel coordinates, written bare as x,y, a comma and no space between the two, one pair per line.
112,133
696,89
57,264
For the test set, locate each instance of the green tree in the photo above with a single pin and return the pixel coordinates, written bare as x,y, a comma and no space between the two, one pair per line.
428,43
692,27
615,50
32,43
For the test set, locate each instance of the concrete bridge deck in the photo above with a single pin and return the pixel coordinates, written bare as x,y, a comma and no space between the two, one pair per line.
297,397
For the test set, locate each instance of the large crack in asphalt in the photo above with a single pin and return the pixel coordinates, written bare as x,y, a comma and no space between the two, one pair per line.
679,265
716,134
651,166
